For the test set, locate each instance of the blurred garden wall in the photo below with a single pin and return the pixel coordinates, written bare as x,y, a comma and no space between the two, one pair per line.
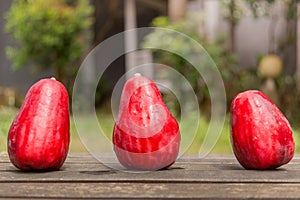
252,34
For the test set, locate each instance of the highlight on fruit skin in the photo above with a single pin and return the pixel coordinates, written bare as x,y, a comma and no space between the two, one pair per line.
38,139
146,136
261,136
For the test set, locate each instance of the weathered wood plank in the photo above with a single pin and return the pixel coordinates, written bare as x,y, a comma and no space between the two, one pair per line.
208,170
214,177
199,166
212,158
226,174
184,158
149,190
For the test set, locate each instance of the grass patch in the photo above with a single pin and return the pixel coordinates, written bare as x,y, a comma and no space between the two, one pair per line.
106,122
7,115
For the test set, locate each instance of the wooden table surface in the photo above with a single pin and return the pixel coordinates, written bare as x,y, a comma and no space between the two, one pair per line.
214,177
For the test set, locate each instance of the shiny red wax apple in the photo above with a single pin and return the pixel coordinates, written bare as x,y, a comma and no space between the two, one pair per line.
261,136
146,136
38,138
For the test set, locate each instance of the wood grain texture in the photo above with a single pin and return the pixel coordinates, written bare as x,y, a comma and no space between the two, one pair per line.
148,190
213,177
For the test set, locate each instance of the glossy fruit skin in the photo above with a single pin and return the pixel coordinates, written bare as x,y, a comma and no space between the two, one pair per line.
261,136
39,136
146,136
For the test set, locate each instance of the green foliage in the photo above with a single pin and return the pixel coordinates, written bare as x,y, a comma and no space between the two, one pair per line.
286,84
289,101
233,77
49,33
257,5
232,10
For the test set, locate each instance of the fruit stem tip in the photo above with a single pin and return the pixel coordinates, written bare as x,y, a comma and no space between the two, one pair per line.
137,74
53,78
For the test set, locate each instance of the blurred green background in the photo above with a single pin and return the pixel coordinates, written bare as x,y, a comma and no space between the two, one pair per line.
223,145
253,43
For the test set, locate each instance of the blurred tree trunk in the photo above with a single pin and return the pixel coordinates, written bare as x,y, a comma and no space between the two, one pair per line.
176,12
298,49
176,9
113,10
130,23
59,73
232,25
